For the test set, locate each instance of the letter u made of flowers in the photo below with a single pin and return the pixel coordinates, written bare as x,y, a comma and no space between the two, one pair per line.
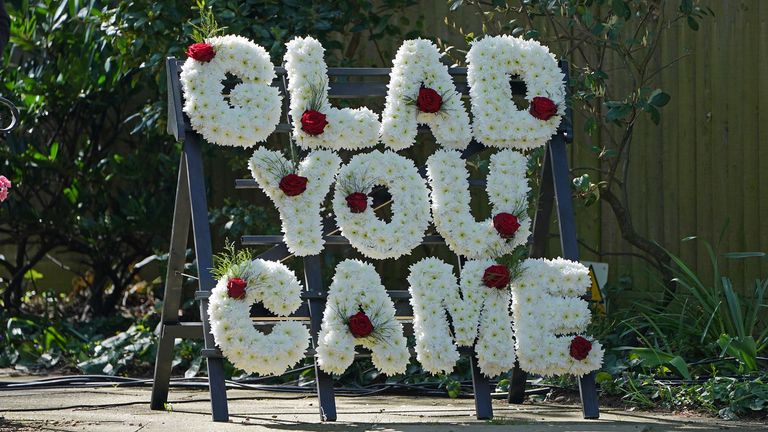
478,310
421,91
359,311
315,123
550,318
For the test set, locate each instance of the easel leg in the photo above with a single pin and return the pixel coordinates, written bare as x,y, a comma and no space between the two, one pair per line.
565,217
172,296
517,385
482,390
314,284
201,227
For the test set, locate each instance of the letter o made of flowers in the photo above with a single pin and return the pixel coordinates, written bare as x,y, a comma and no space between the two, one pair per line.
275,286
497,122
367,233
253,109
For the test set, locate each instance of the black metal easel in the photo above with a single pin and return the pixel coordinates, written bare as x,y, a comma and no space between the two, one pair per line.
191,205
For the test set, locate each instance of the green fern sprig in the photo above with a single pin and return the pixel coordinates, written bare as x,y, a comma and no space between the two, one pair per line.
208,26
231,262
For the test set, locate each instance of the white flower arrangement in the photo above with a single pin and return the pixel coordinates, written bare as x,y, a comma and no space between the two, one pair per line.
302,223
356,289
367,233
229,307
497,122
480,316
417,72
507,189
548,312
254,107
347,128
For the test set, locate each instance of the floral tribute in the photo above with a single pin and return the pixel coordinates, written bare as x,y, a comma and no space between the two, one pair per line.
549,315
359,312
242,282
507,189
252,110
478,309
315,123
496,287
422,92
497,121
367,233
297,193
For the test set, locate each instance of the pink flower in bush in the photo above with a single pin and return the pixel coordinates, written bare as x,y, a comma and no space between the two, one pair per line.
5,184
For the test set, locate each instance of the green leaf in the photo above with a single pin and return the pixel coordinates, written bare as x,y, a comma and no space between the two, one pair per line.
740,255
693,24
33,275
618,111
659,98
620,9
602,377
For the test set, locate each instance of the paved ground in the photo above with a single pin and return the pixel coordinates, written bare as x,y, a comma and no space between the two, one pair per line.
127,409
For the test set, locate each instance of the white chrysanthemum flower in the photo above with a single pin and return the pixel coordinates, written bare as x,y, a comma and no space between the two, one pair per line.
356,287
416,65
278,289
507,189
497,122
548,313
254,107
367,233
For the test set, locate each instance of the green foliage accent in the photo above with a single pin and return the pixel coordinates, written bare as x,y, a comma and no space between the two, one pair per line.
208,27
229,262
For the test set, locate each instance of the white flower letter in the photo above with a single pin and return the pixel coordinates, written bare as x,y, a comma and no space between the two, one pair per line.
497,122
507,189
302,223
417,65
548,312
479,314
254,106
367,233
346,128
357,288
276,286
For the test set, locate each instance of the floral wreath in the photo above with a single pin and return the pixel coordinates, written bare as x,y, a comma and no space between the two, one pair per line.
298,193
355,215
254,106
497,121
421,91
507,190
549,315
359,311
242,282
479,311
315,123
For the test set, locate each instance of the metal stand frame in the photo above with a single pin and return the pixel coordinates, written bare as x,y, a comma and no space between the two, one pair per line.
191,206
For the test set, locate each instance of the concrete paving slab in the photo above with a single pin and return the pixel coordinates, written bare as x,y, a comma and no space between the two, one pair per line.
127,410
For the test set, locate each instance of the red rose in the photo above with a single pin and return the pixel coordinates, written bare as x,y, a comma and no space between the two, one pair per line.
429,101
496,276
580,348
506,224
357,202
201,52
542,108
313,122
293,184
236,288
360,325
